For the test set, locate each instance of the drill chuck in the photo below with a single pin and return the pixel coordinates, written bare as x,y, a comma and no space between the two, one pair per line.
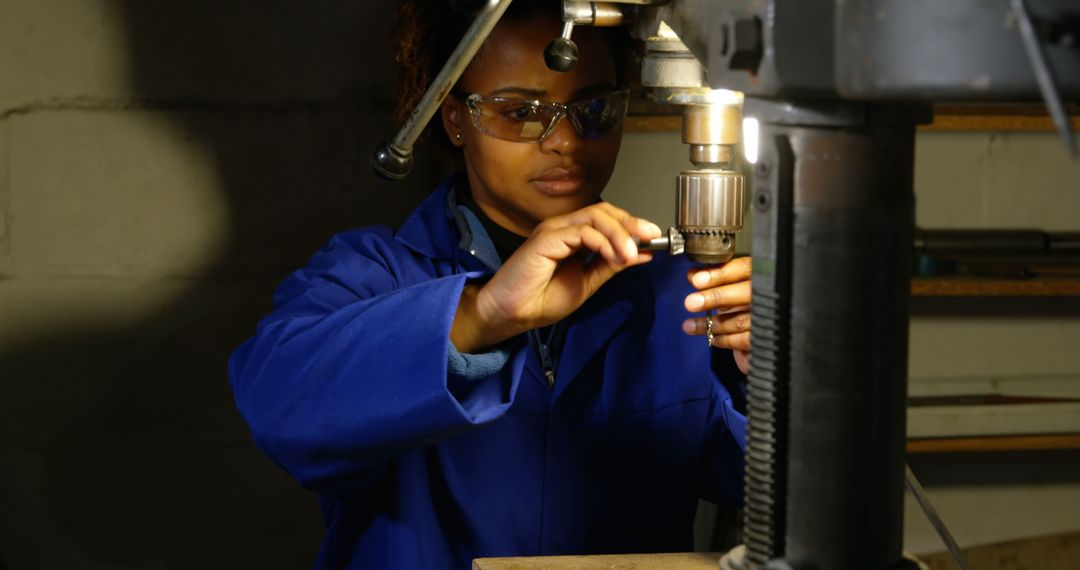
710,204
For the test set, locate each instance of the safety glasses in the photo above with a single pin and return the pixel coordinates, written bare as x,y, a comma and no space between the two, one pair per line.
529,120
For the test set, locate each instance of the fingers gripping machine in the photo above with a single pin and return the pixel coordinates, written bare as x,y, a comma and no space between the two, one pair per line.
838,87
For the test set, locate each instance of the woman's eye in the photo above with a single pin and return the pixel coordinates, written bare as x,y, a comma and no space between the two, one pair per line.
597,107
522,113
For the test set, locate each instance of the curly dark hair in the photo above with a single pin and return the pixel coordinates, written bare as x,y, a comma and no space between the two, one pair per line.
427,31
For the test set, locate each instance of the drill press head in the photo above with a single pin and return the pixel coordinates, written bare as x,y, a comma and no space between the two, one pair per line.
711,196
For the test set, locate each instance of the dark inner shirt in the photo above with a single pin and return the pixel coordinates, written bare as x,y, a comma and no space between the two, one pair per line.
505,241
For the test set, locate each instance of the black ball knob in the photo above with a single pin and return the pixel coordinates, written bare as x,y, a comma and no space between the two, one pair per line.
561,55
391,163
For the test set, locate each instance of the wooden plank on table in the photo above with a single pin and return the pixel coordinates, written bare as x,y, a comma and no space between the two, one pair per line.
673,561
1052,552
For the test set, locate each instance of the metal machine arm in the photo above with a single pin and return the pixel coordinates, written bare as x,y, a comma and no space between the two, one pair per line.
393,159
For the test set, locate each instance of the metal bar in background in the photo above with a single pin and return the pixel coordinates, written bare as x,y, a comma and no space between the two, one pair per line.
935,519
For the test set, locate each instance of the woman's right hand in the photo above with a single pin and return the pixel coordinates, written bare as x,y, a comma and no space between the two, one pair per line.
550,275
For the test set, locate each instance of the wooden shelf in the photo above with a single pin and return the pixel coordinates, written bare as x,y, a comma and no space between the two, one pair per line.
994,123
995,443
987,287
947,118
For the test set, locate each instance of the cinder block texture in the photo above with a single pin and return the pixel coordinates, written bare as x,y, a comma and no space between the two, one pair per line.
60,49
992,497
146,245
644,179
1032,182
5,205
275,52
119,442
112,193
143,504
996,180
162,167
943,347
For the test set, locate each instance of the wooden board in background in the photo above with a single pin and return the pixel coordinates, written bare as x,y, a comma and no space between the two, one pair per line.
646,117
1009,443
987,287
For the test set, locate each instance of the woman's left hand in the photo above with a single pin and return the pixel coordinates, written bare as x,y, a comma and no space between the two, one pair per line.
725,290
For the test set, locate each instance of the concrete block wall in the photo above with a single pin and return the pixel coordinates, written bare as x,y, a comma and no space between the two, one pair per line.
162,167
996,180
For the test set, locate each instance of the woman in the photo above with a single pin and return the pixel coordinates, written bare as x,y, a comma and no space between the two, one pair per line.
504,375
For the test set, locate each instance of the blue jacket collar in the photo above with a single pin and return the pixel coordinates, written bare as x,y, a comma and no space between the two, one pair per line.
439,226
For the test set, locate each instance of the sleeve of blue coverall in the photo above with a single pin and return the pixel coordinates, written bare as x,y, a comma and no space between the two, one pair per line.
724,464
351,368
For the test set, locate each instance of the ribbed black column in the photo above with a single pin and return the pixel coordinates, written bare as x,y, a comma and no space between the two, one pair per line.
833,231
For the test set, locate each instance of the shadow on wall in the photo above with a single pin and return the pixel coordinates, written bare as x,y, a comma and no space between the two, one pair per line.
127,450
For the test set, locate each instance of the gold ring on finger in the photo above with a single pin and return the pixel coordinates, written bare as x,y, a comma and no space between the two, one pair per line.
708,327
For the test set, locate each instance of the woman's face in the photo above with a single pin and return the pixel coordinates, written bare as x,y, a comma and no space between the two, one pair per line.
520,184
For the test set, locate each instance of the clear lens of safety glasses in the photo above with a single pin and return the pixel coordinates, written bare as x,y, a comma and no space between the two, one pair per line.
529,120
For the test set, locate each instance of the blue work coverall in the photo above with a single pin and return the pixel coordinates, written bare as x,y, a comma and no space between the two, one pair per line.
426,458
